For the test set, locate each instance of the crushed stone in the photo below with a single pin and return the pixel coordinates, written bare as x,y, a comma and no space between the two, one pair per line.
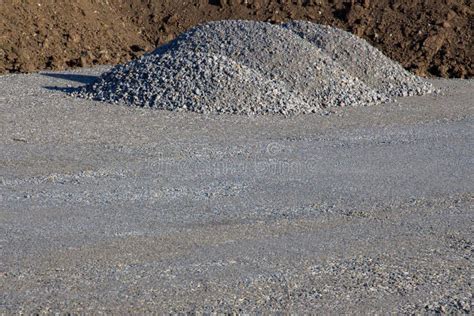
361,60
249,67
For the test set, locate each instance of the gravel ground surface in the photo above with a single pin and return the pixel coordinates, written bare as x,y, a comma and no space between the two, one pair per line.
118,209
255,68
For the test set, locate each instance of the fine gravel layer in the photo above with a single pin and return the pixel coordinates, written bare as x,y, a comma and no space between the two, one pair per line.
255,68
115,209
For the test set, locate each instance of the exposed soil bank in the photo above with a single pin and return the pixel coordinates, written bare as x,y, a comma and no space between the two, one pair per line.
427,37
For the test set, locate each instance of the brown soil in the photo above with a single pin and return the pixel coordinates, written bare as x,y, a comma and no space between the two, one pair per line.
428,37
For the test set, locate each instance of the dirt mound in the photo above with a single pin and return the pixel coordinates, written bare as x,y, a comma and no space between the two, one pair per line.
427,37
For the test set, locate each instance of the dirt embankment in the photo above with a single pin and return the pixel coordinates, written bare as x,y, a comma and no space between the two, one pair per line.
427,37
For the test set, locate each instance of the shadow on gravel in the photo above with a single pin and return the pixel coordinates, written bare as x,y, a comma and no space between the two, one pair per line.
86,79
61,89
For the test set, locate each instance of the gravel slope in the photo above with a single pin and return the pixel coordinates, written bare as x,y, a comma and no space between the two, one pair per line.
256,68
361,60
109,208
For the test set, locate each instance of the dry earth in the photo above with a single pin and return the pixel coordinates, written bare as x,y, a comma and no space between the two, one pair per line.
430,38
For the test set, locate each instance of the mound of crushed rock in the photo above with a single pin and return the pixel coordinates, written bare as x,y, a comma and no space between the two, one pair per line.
361,60
255,68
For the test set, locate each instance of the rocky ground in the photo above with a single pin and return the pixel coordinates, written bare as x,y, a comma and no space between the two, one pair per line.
115,209
430,38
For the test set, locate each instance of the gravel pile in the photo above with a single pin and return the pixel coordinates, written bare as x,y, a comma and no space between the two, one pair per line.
361,60
200,82
254,68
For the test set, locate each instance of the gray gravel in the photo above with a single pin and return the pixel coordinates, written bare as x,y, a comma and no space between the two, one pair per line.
201,82
255,68
115,209
362,60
